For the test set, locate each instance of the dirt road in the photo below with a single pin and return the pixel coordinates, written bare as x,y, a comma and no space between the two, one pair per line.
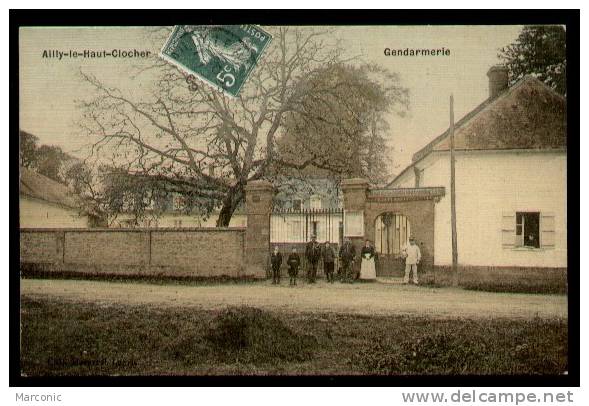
363,298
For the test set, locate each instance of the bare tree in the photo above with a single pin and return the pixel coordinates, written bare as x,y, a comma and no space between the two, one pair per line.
202,144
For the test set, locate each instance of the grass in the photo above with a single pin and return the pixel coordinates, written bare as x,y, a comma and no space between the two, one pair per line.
60,338
36,271
250,335
534,281
515,287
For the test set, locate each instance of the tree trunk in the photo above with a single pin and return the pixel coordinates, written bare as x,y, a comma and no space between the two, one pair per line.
230,203
225,216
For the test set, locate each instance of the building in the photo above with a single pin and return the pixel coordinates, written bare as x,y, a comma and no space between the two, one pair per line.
172,213
45,203
303,208
511,179
176,219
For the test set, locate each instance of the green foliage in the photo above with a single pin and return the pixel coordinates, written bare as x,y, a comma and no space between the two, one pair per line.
539,51
338,127
48,160
28,146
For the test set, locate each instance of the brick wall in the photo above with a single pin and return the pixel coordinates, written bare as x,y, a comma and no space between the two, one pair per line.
197,252
418,210
419,213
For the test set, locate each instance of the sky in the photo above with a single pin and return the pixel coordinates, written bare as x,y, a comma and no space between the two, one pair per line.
50,88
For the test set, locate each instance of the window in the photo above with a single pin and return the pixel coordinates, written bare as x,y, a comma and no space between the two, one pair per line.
297,204
530,229
315,202
527,229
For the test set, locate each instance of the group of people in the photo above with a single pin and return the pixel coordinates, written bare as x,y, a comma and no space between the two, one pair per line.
315,252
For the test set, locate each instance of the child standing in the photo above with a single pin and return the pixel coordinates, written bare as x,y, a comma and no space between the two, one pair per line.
293,261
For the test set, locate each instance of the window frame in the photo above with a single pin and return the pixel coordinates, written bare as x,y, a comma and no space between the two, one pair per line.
520,239
513,230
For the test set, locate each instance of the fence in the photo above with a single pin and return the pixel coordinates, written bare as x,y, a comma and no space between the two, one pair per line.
196,252
297,226
291,228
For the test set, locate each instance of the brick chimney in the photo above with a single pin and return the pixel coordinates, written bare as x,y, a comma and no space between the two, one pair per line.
498,80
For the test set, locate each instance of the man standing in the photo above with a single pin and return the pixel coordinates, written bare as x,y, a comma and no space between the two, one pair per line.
412,256
313,253
347,253
328,261
276,261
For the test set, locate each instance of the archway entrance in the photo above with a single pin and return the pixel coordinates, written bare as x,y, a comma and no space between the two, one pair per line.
391,233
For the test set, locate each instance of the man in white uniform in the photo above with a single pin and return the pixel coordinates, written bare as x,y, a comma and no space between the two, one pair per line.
412,256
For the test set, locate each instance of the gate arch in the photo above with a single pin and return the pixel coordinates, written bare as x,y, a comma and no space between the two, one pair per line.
391,233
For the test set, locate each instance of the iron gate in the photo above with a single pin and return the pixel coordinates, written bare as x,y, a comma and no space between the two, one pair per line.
290,228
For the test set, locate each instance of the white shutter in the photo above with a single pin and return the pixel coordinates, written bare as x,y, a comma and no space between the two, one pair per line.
547,231
508,229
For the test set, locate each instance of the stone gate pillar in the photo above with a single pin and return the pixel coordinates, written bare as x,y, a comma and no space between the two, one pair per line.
258,204
354,191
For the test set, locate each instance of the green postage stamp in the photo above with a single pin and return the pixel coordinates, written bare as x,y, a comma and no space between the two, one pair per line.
221,55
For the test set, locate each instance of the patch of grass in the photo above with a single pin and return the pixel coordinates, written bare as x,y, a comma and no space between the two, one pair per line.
248,334
522,286
472,348
65,338
506,280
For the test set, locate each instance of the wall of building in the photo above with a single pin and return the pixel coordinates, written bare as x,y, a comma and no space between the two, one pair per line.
169,252
405,180
489,184
41,214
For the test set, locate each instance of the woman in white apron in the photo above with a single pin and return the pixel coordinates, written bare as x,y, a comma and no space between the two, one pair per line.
367,269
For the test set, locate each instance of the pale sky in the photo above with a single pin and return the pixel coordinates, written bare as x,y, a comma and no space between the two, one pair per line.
49,87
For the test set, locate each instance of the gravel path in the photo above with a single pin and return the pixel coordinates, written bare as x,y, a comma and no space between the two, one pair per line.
382,298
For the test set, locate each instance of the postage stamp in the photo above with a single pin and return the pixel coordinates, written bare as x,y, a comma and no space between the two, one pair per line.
221,56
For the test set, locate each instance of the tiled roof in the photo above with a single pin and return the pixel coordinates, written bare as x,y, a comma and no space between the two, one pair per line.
529,115
41,187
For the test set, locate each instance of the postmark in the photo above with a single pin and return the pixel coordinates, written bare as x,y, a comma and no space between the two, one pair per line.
221,56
